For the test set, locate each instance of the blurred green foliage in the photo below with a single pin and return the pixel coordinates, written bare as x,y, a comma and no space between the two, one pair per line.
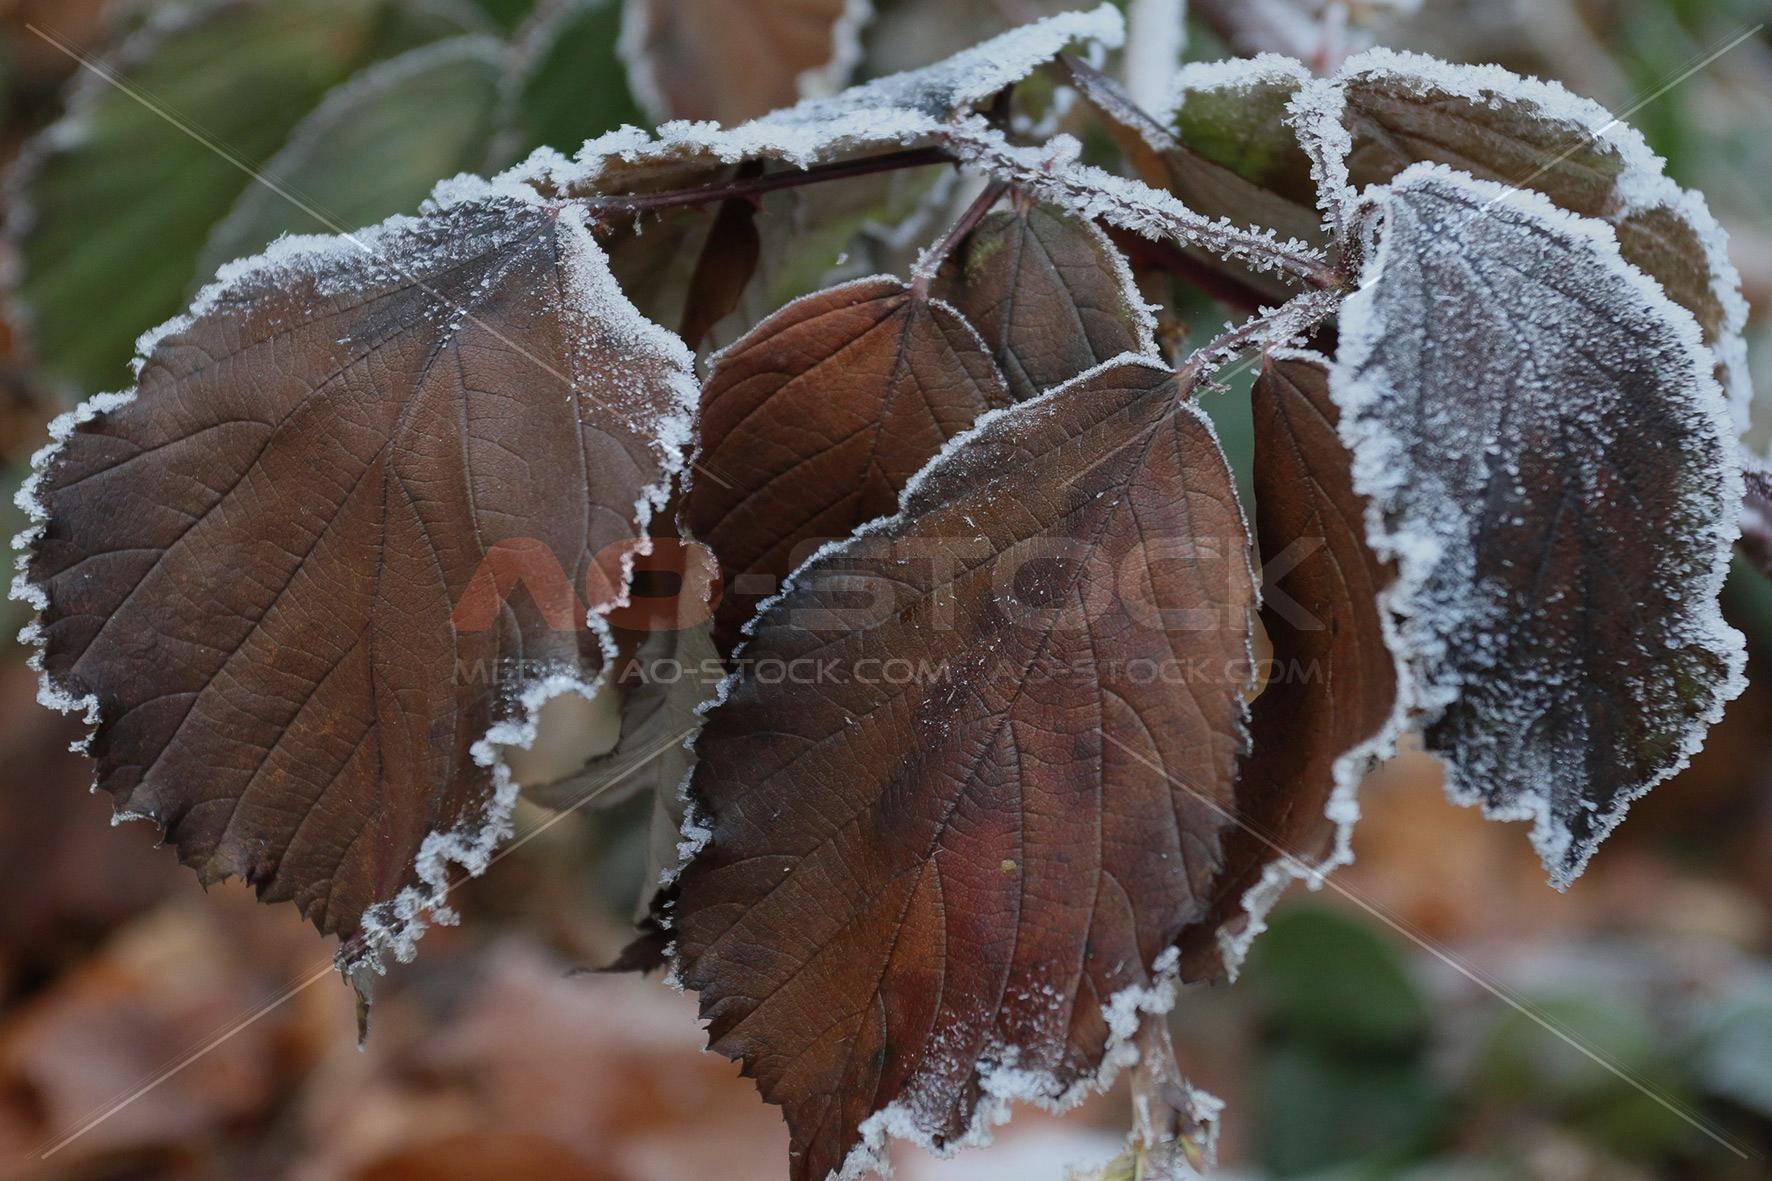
351,110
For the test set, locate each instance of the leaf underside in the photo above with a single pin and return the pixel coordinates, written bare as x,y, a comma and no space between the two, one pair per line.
1523,406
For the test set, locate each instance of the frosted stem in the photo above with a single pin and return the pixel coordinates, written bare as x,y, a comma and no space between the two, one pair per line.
757,186
1093,193
1297,317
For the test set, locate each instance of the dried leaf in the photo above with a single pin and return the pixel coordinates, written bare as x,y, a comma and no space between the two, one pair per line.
1552,466
1330,704
813,423
281,575
946,865
1049,294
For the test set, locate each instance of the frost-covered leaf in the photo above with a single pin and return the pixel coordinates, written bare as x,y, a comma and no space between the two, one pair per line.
245,74
1756,512
1053,174
1234,114
813,423
729,60
1552,466
571,86
1385,111
655,257
912,109
422,116
1049,294
1330,704
282,575
1204,185
947,858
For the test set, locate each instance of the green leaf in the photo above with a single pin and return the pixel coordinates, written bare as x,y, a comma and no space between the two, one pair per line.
1318,1111
1327,979
122,198
1237,119
573,87
1545,1075
420,117
505,14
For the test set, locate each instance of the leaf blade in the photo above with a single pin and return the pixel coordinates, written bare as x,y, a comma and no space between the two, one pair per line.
258,572
814,422
1559,687
1050,295
914,783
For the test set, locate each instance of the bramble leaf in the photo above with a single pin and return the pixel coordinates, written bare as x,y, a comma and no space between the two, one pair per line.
971,781
813,423
1204,185
282,575
1553,468
1330,704
1049,294
1234,114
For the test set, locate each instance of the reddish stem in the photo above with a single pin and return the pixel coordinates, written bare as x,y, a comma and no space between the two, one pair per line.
753,187
1171,259
930,263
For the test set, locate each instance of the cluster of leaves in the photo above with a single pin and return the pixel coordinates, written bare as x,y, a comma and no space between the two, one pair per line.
994,765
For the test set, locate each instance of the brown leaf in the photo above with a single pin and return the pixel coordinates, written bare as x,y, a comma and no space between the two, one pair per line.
728,260
728,60
1330,699
284,573
813,422
1049,294
970,784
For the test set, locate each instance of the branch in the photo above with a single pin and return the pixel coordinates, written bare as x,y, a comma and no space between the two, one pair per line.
1167,257
1299,316
753,187
1132,205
